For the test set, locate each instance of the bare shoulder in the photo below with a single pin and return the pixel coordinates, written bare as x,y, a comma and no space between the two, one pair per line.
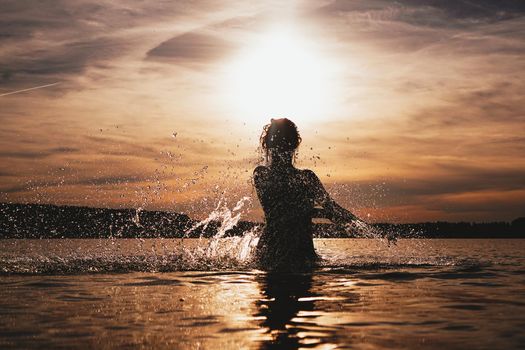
309,175
260,171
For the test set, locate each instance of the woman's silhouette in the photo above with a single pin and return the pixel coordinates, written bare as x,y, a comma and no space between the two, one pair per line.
290,198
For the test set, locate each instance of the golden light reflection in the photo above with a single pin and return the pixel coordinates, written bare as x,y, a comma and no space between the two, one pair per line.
282,73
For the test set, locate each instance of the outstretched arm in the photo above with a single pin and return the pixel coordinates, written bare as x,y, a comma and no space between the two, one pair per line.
330,209
339,215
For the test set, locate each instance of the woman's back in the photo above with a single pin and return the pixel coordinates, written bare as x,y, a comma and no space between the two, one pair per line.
287,199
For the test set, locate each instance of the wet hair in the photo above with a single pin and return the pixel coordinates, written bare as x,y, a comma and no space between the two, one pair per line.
280,136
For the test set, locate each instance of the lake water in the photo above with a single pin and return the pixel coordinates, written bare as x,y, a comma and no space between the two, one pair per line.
191,294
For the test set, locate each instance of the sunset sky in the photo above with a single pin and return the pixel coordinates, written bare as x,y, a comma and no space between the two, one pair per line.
409,110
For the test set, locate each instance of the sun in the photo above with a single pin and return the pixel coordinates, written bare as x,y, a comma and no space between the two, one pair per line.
281,74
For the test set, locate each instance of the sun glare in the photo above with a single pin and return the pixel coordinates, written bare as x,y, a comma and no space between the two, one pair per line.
281,74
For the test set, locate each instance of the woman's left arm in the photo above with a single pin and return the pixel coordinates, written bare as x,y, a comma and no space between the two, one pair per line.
330,209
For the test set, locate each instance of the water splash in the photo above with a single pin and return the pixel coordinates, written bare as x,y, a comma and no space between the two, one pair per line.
366,230
136,217
70,256
227,218
235,251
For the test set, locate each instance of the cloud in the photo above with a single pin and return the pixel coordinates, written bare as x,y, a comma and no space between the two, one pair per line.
36,154
497,105
468,27
483,10
509,204
57,38
430,13
4,173
119,147
454,178
87,181
443,180
446,197
192,46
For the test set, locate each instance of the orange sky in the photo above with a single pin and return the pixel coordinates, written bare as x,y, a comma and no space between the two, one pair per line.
409,110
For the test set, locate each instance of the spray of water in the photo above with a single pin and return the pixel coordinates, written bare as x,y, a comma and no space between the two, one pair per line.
366,230
221,250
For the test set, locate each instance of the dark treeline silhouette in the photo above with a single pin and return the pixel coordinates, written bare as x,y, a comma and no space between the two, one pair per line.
51,221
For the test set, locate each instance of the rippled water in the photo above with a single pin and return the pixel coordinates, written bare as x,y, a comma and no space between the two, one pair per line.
195,295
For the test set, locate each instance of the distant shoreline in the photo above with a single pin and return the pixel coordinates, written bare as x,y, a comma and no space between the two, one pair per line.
52,221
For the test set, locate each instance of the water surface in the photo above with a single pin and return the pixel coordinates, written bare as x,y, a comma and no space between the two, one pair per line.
195,295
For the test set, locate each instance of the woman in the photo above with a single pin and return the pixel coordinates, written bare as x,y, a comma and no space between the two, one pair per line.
290,198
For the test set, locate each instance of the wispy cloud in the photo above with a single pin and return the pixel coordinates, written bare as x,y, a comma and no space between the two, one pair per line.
191,46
